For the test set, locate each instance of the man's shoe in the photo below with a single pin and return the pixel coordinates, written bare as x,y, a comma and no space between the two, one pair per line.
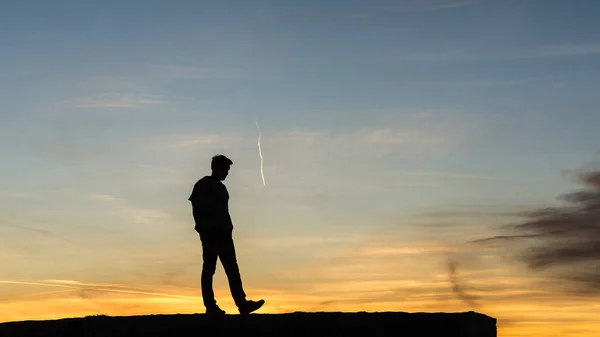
250,306
215,311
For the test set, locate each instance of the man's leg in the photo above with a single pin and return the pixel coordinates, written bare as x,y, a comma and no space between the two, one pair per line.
229,261
210,252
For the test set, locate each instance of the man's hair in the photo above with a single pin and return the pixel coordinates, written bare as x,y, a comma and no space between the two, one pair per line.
219,161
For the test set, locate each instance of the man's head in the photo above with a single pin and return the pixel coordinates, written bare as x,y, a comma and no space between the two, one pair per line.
220,166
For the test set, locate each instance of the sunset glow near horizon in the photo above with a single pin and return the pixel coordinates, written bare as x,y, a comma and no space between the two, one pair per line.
392,134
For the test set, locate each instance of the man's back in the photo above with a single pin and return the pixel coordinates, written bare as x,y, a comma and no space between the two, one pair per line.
210,207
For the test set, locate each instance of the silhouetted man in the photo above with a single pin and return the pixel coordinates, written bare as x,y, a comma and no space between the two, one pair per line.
211,214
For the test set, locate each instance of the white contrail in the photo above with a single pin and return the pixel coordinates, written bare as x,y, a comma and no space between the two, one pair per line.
262,172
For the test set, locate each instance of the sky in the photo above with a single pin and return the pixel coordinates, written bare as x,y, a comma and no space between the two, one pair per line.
401,141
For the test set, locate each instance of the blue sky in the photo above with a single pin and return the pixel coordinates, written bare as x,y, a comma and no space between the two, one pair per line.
373,113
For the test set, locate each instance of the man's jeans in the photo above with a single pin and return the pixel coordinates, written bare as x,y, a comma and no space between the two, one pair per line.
218,243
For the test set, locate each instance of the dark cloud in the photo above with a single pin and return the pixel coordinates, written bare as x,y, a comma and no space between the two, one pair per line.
505,237
459,289
563,240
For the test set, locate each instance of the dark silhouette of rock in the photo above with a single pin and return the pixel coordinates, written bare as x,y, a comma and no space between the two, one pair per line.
330,324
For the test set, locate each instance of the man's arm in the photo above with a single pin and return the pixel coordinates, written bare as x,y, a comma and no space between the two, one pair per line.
201,197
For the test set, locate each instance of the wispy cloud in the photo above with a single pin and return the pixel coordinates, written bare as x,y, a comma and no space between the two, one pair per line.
104,197
136,86
138,215
296,242
15,195
399,251
373,9
300,137
180,72
450,4
198,139
559,50
195,140
72,282
412,138
534,52
410,130
38,231
389,135
445,175
117,83
115,100
99,287
499,82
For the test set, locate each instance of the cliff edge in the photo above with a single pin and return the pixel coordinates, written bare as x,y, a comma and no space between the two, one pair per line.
325,324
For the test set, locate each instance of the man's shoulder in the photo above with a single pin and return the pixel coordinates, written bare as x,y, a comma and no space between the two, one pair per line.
206,181
201,187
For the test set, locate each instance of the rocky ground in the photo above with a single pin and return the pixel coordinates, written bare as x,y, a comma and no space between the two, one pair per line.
468,324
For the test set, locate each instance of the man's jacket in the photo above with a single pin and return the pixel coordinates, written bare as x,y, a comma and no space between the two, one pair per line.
210,207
